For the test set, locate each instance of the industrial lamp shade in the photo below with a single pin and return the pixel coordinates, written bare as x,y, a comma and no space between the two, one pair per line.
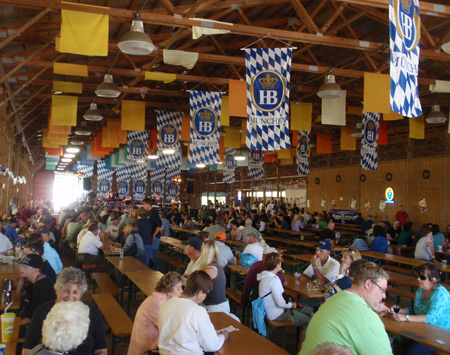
108,89
93,114
83,130
329,90
357,132
77,141
239,156
446,47
153,155
136,41
436,116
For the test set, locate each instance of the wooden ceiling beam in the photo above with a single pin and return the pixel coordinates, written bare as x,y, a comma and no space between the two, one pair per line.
338,10
304,15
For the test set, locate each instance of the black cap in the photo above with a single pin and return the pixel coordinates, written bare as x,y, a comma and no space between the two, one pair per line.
43,230
30,260
194,242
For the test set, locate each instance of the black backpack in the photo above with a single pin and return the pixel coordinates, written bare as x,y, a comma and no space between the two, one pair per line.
251,294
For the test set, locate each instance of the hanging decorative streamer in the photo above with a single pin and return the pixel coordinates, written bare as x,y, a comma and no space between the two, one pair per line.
87,170
303,153
205,123
104,179
256,165
169,131
137,146
268,77
123,181
404,30
369,140
157,181
229,166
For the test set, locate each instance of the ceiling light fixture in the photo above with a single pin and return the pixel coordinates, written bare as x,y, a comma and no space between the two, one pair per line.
76,141
107,88
66,160
329,90
436,116
93,114
357,132
153,155
239,156
72,149
136,41
446,47
83,130
200,165
69,155
168,151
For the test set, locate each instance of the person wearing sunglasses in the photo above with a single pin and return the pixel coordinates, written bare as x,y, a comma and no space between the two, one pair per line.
431,305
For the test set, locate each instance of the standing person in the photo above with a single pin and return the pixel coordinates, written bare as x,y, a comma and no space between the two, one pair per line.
153,216
145,229
401,215
348,318
184,326
134,246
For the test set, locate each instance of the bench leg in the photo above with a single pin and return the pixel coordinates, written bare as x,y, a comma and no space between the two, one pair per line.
113,350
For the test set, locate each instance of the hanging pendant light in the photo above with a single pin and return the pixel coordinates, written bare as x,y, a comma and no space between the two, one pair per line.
153,155
446,47
93,114
83,130
200,165
436,116
136,41
108,89
239,156
76,141
329,90
357,132
168,151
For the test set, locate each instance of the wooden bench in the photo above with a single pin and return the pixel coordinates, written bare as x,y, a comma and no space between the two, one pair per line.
281,327
105,284
174,262
400,293
398,269
119,322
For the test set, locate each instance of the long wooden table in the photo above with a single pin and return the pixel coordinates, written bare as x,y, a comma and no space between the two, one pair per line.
173,242
144,280
285,231
426,334
195,232
243,341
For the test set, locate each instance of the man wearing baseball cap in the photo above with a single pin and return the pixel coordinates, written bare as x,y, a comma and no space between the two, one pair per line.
33,285
193,250
323,267
225,254
50,254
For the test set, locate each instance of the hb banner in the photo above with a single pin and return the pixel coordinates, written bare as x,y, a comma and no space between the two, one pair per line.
123,181
268,77
369,140
256,165
404,30
104,179
173,187
137,142
229,166
169,131
303,153
157,180
87,170
138,172
205,124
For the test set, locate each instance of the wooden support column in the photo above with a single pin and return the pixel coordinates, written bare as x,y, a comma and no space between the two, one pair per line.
242,187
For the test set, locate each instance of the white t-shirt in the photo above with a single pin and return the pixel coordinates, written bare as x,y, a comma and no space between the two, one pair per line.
89,244
81,235
192,266
185,328
5,243
113,231
255,249
330,269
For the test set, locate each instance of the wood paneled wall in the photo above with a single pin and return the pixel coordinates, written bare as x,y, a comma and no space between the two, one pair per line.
43,185
407,181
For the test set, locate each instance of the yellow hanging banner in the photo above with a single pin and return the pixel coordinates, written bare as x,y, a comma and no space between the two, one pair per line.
301,116
64,110
417,127
347,141
225,113
70,69
376,92
232,138
133,115
68,86
164,77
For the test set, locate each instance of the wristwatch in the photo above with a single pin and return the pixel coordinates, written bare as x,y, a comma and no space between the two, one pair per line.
407,318
315,268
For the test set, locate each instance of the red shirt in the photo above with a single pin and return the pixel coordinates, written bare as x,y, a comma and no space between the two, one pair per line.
402,216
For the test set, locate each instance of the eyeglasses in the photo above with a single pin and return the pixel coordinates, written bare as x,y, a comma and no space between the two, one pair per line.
381,288
423,277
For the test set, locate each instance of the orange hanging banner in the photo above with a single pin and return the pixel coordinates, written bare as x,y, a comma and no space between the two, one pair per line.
237,103
324,145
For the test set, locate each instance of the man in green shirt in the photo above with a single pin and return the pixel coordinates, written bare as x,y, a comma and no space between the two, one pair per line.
348,318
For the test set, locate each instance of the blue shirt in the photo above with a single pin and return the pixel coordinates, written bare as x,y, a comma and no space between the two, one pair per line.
436,307
11,232
379,244
165,229
437,240
52,257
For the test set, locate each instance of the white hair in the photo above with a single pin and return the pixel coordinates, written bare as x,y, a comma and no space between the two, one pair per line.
66,326
328,348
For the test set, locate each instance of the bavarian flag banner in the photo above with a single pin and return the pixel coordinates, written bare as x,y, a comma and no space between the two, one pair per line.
169,133
137,143
157,181
205,124
138,172
369,140
256,165
229,166
303,153
268,77
173,187
404,30
104,179
123,181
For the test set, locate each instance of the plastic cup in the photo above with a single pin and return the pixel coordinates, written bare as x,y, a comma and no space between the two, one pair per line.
2,349
297,277
7,326
440,248
444,262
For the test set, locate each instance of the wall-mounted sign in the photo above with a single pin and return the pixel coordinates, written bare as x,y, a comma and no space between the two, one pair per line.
389,194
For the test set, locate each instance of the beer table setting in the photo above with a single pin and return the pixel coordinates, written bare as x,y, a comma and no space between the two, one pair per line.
244,340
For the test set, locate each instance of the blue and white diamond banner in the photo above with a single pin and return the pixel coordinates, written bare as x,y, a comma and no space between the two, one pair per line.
137,144
229,166
173,187
268,78
157,181
87,170
303,153
205,123
123,181
169,132
256,165
104,179
138,172
369,140
404,31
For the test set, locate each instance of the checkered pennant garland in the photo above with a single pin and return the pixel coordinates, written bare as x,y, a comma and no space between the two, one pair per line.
137,145
205,123
369,140
138,172
87,170
229,166
173,188
104,178
157,181
256,165
169,131
404,31
123,181
303,153
268,78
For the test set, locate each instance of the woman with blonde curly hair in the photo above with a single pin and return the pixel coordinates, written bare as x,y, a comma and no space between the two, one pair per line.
144,336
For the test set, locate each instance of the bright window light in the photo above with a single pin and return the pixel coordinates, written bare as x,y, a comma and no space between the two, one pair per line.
66,190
